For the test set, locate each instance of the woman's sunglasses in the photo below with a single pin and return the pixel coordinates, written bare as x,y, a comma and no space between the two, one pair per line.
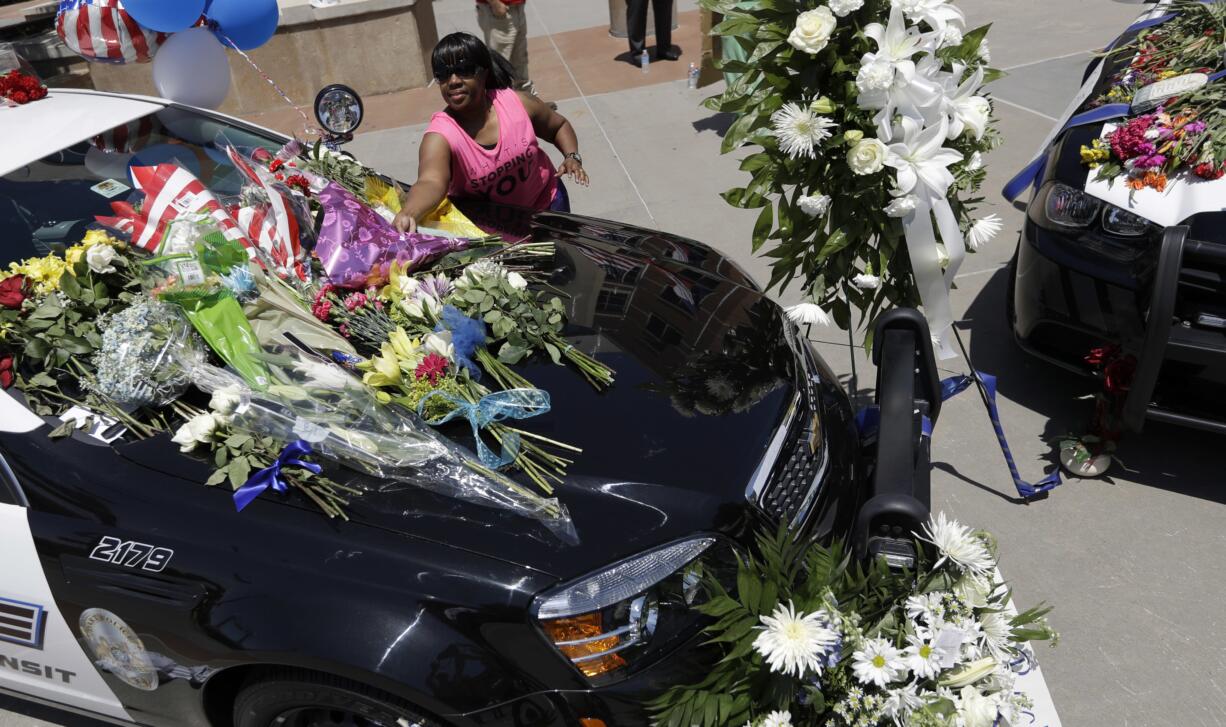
463,69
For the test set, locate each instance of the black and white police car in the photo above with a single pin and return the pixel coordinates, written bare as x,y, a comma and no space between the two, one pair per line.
130,592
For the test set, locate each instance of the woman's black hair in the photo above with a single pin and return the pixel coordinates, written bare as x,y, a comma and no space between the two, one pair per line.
459,48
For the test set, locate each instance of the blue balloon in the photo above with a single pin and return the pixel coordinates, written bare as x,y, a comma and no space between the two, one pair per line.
244,24
178,154
168,16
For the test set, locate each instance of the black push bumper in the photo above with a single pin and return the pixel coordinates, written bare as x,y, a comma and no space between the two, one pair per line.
1168,309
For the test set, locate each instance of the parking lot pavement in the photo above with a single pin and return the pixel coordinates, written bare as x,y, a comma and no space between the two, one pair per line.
1131,563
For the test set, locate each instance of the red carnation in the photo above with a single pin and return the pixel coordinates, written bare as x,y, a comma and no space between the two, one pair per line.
20,97
12,291
1206,170
6,371
431,367
275,165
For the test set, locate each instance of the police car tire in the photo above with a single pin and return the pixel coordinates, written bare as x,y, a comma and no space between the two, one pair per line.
263,700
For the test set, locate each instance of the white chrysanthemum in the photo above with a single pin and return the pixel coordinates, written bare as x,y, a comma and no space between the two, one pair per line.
778,718
799,130
922,657
794,643
923,607
984,230
958,544
985,53
995,634
951,37
878,663
875,76
809,313
901,206
866,281
814,205
843,8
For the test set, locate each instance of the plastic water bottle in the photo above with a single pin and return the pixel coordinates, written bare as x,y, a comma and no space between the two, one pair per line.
644,60
693,78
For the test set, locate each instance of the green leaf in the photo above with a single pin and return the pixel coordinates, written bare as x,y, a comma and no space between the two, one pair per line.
75,345
37,348
474,295
42,379
737,24
239,471
63,430
216,478
762,228
48,309
69,286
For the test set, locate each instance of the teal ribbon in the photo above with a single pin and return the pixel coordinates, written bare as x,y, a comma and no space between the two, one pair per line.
509,404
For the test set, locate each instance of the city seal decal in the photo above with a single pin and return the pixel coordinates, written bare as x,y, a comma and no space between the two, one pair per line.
117,649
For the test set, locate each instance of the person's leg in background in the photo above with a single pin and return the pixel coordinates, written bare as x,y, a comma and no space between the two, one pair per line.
636,27
663,10
500,33
519,48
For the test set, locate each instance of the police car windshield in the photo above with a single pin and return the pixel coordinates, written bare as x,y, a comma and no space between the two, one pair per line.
49,204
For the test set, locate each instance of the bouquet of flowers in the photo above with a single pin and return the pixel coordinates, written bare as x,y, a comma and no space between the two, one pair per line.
17,89
1186,134
872,127
810,639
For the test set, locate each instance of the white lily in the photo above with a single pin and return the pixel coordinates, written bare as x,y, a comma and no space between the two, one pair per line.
937,13
967,111
922,161
913,92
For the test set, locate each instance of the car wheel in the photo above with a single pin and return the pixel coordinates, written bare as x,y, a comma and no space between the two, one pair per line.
303,699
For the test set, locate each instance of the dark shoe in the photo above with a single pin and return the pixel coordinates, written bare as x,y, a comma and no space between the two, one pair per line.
670,54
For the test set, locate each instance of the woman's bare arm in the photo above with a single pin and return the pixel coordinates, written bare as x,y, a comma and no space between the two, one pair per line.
555,129
433,179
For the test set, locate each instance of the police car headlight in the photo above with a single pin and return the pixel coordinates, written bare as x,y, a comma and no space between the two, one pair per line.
609,621
1068,207
1124,223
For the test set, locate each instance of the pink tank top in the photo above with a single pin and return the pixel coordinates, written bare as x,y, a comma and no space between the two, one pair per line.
515,172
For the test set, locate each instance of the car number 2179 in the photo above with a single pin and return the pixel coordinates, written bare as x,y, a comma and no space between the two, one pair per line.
131,554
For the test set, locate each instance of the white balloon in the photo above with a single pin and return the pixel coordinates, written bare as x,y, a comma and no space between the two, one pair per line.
108,165
191,68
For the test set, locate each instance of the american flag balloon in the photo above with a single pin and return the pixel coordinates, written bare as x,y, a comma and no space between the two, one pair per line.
102,31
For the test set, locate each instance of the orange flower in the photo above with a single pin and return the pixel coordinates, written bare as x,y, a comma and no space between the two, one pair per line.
1155,181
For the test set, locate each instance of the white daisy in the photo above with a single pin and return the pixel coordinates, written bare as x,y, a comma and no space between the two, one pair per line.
923,607
984,230
878,663
957,544
922,657
866,281
814,205
777,719
809,313
794,643
799,130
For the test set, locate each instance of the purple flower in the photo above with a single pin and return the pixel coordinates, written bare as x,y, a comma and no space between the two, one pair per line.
1150,161
1196,127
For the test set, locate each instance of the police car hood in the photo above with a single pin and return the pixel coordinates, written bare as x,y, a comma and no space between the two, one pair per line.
704,373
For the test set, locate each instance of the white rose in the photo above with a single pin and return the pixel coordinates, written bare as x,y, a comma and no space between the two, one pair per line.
901,206
813,30
814,205
973,112
875,76
197,430
421,307
975,709
516,280
226,400
843,8
407,285
867,157
99,258
440,343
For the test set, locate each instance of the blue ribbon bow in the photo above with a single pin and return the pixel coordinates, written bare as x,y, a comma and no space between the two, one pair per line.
271,476
869,418
509,404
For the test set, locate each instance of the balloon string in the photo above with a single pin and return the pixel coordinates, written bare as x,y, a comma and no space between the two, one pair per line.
309,127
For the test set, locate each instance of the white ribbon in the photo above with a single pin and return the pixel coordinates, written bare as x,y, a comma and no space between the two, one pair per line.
922,163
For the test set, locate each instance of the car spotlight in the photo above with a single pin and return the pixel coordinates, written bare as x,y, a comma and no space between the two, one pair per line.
339,110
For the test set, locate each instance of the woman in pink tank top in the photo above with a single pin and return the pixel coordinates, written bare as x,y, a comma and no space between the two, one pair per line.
484,143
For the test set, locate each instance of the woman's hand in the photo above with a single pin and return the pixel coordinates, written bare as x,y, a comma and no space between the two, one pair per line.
499,8
572,168
405,221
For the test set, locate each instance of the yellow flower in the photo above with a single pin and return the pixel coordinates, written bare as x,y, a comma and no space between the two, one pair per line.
74,254
43,272
1095,154
98,237
383,370
408,350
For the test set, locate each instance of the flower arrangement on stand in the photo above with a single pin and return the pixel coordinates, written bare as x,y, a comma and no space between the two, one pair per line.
872,126
811,639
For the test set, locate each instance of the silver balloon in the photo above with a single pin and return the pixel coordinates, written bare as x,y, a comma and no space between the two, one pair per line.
191,68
